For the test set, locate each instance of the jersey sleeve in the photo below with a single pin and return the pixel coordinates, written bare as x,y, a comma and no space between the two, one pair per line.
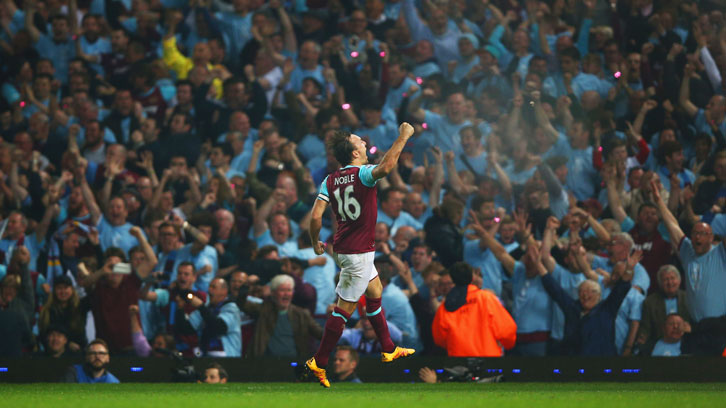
366,175
323,194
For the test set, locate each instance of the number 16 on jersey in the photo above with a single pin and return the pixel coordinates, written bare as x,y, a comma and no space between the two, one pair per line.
348,206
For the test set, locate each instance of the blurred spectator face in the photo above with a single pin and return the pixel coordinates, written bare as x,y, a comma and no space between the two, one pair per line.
634,65
612,54
669,283
309,55
117,211
397,74
62,292
211,375
239,122
234,94
371,117
357,23
445,285
179,125
414,205
198,75
466,48
403,237
143,186
57,342
675,161
520,40
184,94
425,50
369,333
719,169
16,226
393,204
123,102
648,219
619,249
169,239
185,277
166,203
282,296
716,107
71,244
97,357
132,204
240,6
218,291
701,237
90,28
563,42
42,87
280,228
420,258
591,100
60,29
374,9
217,157
343,363
507,232
673,330
288,185
469,142
225,222
589,295
93,134
75,201
456,107
438,21
567,64
236,281
634,178
201,54
24,142
137,258
119,41
381,232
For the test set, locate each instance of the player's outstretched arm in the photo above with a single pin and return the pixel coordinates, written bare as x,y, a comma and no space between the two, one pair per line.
405,131
316,222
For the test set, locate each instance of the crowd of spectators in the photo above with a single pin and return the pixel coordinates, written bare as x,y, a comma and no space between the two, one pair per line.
159,160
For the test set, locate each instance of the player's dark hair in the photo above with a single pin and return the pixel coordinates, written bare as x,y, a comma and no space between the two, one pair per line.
341,147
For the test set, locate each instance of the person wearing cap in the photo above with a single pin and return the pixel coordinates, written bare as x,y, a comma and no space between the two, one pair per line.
56,343
65,309
489,327
468,45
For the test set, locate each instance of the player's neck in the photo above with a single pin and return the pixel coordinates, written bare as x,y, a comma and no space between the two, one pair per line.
358,162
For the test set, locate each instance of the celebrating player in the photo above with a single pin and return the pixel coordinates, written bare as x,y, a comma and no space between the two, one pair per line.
354,204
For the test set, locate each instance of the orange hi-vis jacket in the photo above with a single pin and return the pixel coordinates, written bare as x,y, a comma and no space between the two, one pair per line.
480,328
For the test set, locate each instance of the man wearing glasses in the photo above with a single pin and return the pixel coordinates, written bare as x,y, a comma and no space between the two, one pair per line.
94,370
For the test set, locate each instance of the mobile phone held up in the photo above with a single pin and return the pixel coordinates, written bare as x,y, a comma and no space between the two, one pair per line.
122,268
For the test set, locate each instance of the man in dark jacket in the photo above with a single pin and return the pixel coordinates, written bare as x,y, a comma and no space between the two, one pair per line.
590,323
443,234
282,329
670,299
16,309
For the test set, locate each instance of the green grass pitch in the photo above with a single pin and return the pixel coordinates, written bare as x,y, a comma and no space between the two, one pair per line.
505,395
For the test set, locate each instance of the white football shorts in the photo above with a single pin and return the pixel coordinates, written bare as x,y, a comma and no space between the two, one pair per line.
356,271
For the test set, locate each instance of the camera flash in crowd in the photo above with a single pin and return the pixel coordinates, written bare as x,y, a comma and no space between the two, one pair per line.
419,80
373,150
382,54
345,106
617,74
354,54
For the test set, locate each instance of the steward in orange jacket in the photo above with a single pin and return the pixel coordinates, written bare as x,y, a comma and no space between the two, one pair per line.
472,322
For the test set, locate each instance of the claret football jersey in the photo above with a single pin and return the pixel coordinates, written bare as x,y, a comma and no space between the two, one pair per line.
351,192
